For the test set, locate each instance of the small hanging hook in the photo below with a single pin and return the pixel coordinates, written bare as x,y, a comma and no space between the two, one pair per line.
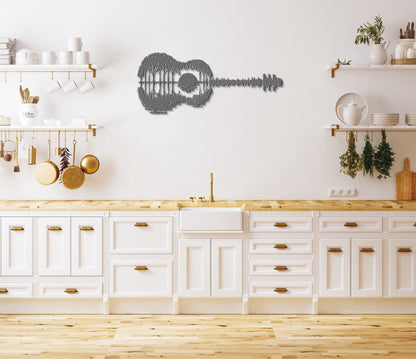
69,75
20,76
52,75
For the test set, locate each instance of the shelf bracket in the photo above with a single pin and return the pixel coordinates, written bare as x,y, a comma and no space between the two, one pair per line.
333,69
94,71
334,129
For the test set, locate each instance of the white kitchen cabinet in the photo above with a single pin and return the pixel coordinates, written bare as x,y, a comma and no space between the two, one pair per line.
334,267
86,242
366,267
15,290
210,267
16,246
54,241
351,224
402,269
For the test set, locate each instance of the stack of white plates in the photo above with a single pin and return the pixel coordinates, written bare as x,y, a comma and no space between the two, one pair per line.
385,119
410,119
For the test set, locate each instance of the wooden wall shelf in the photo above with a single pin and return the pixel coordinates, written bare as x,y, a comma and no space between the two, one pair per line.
371,128
337,67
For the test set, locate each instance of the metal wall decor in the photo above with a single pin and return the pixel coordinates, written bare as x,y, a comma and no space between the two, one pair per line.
165,83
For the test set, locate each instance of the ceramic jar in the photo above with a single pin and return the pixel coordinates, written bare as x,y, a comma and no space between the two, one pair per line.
378,54
29,114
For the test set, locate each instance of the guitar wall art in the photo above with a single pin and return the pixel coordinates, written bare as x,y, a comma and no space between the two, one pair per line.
165,83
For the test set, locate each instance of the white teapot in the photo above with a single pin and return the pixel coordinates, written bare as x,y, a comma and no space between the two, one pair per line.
351,114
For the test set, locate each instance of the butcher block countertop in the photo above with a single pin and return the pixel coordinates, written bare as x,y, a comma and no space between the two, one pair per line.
174,205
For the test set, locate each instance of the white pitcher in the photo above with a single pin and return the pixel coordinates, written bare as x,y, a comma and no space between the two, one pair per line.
351,114
378,54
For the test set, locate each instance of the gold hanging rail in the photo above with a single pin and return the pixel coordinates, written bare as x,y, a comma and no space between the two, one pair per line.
52,69
92,128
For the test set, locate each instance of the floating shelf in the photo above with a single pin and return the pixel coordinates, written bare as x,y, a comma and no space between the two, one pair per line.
337,67
70,129
20,69
370,128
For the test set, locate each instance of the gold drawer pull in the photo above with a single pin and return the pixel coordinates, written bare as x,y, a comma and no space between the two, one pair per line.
141,224
3,291
335,250
280,290
366,250
141,268
54,228
280,224
414,224
281,268
404,250
16,228
280,246
350,224
71,290
86,228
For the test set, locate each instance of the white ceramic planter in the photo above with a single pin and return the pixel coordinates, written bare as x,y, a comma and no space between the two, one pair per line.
378,54
29,114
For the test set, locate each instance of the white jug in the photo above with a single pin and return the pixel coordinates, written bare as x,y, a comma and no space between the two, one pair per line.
351,114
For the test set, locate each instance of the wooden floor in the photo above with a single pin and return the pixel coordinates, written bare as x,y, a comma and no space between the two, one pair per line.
219,336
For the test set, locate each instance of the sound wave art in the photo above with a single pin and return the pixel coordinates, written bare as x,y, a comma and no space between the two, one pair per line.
165,83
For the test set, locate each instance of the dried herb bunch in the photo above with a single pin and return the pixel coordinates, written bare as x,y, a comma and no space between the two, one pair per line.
351,161
64,162
368,157
384,157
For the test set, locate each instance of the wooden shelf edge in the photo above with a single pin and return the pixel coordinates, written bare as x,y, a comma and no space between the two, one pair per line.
398,128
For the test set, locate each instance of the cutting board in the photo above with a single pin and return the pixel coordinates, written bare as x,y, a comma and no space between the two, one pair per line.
406,183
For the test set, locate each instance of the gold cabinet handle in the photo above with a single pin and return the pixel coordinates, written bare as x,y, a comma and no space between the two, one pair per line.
141,268
141,224
280,246
334,250
281,268
280,224
404,250
414,224
16,228
86,228
71,290
54,228
350,224
280,290
366,250
3,291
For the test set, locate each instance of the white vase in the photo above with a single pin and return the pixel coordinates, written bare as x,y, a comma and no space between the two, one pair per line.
378,54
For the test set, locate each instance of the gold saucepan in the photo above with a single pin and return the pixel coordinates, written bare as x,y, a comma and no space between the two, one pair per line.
89,164
47,172
72,177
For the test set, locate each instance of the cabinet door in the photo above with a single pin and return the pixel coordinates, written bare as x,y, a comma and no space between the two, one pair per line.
402,271
16,245
54,246
334,267
366,267
194,268
226,267
86,241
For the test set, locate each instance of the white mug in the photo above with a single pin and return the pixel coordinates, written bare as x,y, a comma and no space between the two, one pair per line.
65,58
82,57
74,44
53,87
48,58
86,86
69,86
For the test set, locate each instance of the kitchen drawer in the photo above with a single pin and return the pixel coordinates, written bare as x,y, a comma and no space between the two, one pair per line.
275,224
141,278
15,290
281,245
70,290
402,224
141,235
280,289
351,224
280,267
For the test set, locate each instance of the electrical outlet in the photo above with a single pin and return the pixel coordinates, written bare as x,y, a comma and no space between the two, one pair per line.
342,192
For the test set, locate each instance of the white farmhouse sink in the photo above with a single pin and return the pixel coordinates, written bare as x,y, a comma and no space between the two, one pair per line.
211,219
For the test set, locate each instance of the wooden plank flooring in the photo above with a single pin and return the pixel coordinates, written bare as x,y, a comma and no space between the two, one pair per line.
216,336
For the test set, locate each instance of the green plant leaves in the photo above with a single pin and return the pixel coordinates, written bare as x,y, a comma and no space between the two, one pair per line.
350,161
370,32
384,157
368,157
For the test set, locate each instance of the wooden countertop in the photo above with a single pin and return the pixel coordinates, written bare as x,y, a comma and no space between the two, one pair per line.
173,205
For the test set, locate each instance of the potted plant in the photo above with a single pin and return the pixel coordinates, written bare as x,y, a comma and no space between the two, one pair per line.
373,33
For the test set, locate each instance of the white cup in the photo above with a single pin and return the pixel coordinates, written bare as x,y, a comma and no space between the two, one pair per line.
48,58
69,86
86,86
82,57
74,44
54,86
65,58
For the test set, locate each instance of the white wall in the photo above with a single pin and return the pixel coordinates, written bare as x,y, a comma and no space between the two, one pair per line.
259,145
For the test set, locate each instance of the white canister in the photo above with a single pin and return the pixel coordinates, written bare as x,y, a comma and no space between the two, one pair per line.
411,53
74,44
29,114
65,58
400,52
48,58
82,57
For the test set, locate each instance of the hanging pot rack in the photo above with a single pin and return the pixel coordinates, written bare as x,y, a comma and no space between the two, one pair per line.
92,128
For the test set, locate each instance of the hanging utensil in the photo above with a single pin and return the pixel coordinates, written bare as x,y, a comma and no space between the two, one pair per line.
2,146
16,164
58,150
31,158
47,172
72,177
89,163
